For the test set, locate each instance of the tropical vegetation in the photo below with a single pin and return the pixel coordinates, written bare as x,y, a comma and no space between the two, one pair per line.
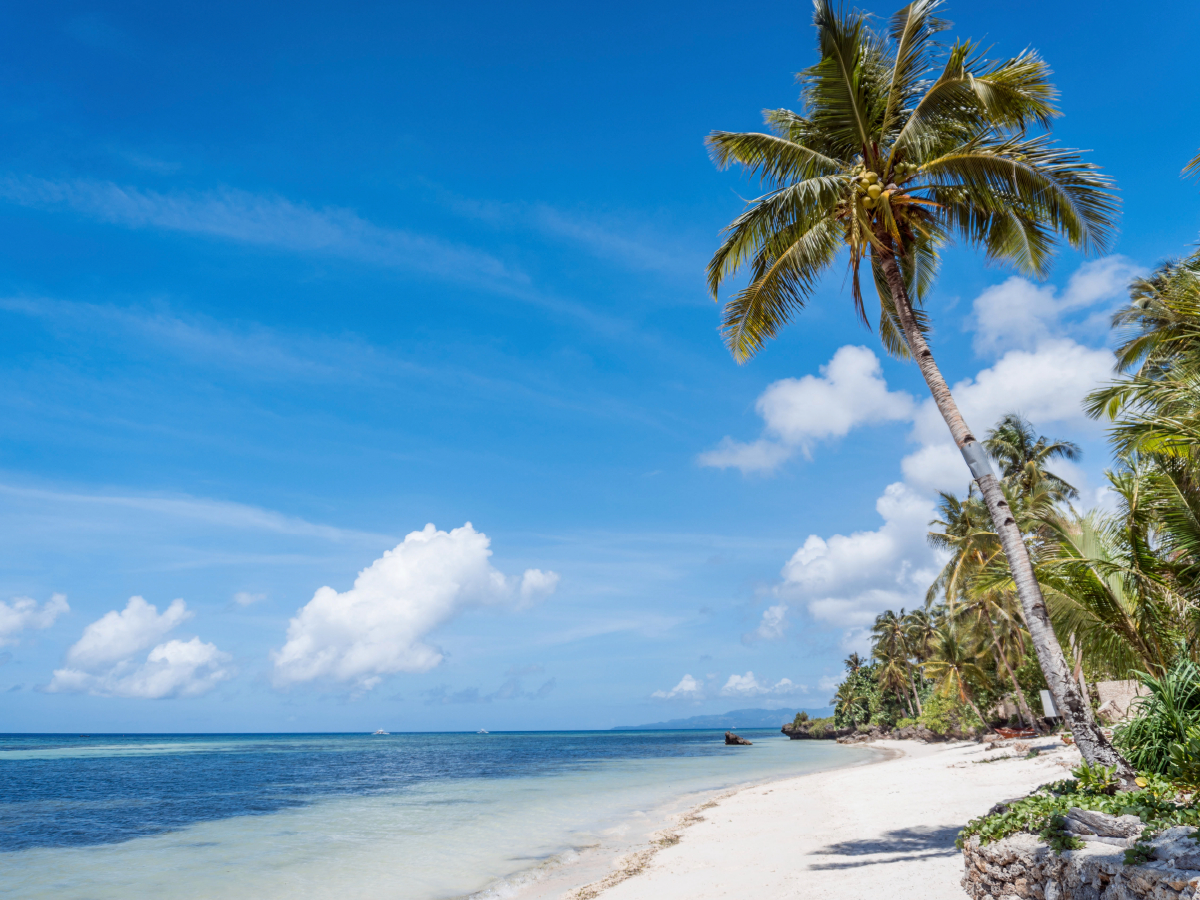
905,143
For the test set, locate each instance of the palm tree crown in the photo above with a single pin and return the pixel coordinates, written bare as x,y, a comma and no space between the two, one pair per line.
902,145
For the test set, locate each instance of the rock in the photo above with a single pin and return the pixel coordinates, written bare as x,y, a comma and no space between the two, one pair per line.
731,738
1022,866
1177,846
803,733
1086,821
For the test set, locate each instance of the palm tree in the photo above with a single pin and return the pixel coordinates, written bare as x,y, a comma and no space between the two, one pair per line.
1022,455
902,147
952,664
965,532
983,609
891,650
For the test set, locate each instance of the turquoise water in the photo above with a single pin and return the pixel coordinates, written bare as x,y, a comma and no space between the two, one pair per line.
420,816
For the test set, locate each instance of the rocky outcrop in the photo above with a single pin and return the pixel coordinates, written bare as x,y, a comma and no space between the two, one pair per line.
731,738
1023,866
802,732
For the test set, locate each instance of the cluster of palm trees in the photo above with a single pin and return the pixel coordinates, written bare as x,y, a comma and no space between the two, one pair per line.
971,637
1121,581
904,143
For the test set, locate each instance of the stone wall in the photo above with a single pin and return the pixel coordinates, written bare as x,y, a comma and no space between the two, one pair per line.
1022,866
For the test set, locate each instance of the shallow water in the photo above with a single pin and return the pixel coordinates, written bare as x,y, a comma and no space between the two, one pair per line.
420,816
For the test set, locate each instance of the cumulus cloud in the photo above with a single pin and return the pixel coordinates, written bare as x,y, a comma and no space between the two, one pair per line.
24,613
688,688
1021,314
1046,385
104,660
772,625
846,580
799,412
379,627
749,686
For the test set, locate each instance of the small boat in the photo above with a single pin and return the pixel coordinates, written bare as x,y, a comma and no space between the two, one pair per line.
482,731
1010,733
380,731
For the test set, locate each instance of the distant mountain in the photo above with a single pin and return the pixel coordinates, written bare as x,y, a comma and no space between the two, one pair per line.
736,718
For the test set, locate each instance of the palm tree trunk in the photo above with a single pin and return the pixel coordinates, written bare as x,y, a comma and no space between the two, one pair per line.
1078,653
916,696
965,694
1022,705
1094,747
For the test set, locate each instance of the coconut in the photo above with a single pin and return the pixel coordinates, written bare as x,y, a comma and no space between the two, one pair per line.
869,202
872,177
874,190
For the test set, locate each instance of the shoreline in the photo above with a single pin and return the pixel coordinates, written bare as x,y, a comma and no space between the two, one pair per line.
891,820
625,844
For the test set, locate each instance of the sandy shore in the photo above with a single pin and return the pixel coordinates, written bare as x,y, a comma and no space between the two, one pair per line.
882,830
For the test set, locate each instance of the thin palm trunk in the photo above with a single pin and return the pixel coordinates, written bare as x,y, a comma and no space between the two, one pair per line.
1080,680
916,694
1022,705
1094,747
966,695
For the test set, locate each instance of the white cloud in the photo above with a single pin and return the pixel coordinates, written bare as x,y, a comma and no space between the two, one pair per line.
688,688
24,613
798,412
102,661
846,580
830,683
773,622
264,220
1020,314
749,686
536,584
758,456
1046,385
379,627
245,598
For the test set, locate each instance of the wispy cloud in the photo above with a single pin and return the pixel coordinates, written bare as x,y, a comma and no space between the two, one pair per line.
628,238
212,512
263,220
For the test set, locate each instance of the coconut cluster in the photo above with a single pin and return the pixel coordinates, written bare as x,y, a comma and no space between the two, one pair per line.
869,185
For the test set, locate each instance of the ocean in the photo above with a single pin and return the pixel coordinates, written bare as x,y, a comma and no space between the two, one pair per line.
410,816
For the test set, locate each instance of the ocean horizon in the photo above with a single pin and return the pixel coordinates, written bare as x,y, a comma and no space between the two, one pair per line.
420,815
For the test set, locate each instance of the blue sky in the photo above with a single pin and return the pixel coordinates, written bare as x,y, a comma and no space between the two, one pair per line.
282,284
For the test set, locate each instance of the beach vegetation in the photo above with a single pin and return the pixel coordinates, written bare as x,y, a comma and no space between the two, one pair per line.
904,143
1041,812
1165,718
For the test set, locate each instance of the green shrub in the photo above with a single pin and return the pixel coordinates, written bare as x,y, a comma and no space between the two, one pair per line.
1040,813
943,713
820,727
904,723
1163,719
801,718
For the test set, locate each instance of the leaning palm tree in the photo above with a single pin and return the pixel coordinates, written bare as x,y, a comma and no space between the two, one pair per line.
901,148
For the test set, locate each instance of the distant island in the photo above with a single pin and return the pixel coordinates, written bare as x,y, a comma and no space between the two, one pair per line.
736,718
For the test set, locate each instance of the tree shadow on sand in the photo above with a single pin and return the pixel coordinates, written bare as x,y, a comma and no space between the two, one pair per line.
899,845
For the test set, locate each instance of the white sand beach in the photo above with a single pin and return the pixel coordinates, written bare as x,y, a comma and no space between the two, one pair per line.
880,830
